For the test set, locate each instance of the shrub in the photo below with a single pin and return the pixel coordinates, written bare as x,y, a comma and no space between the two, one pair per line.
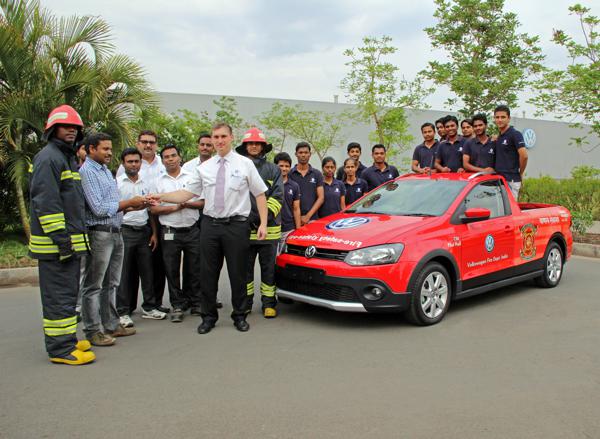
580,195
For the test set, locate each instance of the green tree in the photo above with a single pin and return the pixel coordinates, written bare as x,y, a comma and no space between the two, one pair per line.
489,62
181,128
227,112
46,61
574,93
291,122
380,94
278,124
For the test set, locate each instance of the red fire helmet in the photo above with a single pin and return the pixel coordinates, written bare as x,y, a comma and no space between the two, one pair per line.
65,115
254,135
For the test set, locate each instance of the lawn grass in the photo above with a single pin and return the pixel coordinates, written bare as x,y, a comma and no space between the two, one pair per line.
13,251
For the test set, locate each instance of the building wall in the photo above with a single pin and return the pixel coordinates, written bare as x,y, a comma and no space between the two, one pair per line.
550,155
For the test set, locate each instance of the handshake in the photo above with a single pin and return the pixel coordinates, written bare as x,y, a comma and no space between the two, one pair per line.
142,202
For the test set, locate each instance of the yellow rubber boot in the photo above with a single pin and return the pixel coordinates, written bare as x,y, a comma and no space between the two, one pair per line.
76,358
270,313
83,345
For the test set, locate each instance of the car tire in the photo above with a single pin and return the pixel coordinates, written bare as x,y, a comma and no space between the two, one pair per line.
554,262
431,295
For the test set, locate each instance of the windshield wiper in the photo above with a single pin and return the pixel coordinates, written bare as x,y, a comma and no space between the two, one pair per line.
415,214
367,211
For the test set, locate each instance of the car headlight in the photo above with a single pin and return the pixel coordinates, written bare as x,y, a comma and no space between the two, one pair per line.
377,255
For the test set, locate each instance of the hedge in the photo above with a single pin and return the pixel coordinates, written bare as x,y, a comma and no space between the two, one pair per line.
580,195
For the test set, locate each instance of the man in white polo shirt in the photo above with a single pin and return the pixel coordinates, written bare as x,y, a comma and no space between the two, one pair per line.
225,182
180,236
140,239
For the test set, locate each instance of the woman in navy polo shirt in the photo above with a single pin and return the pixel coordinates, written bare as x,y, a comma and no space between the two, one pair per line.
335,191
355,187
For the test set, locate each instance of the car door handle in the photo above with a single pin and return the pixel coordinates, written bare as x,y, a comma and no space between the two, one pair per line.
507,229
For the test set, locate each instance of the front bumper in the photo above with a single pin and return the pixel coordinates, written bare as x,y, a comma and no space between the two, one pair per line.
314,287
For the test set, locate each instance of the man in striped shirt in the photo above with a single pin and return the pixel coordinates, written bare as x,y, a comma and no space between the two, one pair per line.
104,214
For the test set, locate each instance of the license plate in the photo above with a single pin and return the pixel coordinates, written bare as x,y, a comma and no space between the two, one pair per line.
304,274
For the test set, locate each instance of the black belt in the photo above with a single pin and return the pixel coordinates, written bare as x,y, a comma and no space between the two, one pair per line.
227,220
103,228
136,228
170,229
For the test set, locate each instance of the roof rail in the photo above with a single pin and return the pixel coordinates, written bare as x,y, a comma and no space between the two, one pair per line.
477,174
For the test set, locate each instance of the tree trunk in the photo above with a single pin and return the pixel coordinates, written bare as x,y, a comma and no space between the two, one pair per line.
22,206
378,129
18,183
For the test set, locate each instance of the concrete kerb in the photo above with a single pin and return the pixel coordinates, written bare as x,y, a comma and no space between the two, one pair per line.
10,277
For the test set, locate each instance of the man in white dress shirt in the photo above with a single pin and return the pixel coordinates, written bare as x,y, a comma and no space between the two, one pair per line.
140,239
205,151
225,182
180,236
152,168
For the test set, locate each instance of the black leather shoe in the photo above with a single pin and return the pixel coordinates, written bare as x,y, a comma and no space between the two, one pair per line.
241,325
219,305
205,327
195,311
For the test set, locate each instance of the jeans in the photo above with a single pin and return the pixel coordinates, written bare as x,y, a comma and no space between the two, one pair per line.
100,283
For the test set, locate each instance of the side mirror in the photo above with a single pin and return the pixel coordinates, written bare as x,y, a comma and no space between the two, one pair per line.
475,214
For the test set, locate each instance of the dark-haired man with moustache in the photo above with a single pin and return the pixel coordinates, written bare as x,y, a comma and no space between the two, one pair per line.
180,237
423,160
380,172
449,153
511,154
104,217
140,238
480,152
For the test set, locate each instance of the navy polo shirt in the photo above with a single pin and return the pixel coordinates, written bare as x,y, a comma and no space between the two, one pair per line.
374,177
356,190
482,155
341,175
450,154
425,156
308,188
291,193
333,193
507,154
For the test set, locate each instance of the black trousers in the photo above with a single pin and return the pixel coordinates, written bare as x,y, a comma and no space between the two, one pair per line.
137,265
184,294
159,275
266,252
231,242
59,286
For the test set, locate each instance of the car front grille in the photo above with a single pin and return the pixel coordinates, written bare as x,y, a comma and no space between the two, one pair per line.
327,291
321,253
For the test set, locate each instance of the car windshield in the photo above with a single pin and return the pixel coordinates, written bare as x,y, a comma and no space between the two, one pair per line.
410,197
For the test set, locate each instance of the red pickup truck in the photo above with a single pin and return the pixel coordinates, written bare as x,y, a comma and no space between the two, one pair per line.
417,243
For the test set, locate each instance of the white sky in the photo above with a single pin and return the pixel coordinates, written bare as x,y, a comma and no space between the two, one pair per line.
285,49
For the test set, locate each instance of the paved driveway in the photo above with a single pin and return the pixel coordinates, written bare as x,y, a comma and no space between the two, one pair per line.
522,362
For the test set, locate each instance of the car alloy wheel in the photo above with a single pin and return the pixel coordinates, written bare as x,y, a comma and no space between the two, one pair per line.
434,294
554,265
431,294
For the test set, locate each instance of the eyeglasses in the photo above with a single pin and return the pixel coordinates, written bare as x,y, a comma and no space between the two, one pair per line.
147,142
205,144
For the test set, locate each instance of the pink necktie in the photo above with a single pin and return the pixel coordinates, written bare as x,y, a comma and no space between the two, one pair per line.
220,187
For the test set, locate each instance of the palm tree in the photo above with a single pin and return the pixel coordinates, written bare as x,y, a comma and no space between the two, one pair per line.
46,61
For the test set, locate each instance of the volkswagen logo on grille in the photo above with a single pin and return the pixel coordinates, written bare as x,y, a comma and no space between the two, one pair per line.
310,251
